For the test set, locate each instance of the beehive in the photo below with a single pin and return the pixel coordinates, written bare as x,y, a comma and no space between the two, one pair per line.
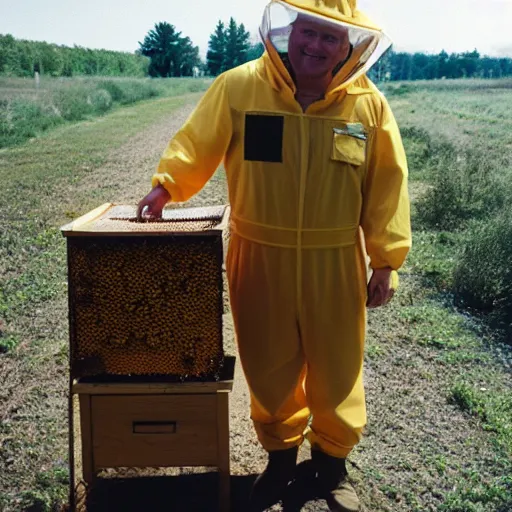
145,298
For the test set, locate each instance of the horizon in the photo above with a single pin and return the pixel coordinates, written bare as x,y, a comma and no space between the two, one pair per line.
259,41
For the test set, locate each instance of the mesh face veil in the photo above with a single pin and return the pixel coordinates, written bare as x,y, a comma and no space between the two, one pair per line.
312,36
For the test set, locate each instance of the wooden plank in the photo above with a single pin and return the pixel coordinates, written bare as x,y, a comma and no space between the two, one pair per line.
115,444
223,451
84,226
71,447
151,388
87,445
89,231
85,219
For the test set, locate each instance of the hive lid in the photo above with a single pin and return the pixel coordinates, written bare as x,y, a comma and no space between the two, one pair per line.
120,220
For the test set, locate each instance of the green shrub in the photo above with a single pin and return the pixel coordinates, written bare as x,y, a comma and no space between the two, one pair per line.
101,100
21,119
72,102
424,154
482,277
31,112
129,91
113,88
464,186
35,501
400,89
137,91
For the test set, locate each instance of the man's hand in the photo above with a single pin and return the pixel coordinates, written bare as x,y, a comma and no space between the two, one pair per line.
379,290
151,206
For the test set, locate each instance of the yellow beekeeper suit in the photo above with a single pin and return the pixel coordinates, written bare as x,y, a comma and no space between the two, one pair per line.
301,186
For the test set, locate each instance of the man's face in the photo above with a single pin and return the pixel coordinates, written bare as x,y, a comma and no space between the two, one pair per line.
314,49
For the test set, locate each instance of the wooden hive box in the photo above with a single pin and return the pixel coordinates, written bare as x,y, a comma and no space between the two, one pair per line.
146,298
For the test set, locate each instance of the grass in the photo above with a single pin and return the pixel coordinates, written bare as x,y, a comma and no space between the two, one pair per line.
456,137
26,112
438,379
464,160
440,409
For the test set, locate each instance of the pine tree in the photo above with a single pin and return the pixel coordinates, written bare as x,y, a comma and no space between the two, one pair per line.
255,51
170,54
228,47
242,45
186,59
231,55
215,56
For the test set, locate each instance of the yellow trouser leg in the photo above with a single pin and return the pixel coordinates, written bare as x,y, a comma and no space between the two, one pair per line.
276,342
332,322
262,283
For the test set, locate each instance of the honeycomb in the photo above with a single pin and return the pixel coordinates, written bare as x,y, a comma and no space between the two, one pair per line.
146,304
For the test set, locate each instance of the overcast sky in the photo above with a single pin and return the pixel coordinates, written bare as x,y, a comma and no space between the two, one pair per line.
414,25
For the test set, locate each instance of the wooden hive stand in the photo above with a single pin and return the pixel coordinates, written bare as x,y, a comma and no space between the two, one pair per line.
153,424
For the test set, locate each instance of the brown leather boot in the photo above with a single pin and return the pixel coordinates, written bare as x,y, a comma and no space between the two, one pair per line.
333,483
270,486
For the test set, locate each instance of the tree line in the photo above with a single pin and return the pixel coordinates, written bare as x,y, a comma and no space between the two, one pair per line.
165,52
22,58
421,66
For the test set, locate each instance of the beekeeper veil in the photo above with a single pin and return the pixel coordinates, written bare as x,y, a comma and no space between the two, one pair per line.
340,37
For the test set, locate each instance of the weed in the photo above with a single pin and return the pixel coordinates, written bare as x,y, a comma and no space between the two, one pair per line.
432,324
464,187
494,409
464,357
8,343
373,351
479,496
390,491
482,280
434,256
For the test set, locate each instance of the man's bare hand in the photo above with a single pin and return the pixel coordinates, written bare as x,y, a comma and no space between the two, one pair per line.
379,290
151,206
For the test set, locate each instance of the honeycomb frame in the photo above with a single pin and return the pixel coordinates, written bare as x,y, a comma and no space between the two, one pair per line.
146,299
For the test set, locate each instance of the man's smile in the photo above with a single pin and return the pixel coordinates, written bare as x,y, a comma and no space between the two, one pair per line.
318,57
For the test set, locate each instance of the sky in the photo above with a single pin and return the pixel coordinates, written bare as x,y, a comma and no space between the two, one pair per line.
414,25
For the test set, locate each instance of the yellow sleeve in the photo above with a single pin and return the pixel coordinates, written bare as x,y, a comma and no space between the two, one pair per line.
195,152
386,211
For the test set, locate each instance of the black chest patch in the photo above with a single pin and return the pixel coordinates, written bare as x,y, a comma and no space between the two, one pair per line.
263,139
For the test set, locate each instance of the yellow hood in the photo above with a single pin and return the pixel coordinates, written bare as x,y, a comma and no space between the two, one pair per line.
336,10
368,41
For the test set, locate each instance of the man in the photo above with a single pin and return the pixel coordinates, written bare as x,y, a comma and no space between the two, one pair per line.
313,160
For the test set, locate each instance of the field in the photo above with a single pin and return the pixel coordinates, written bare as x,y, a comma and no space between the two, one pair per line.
28,109
438,377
